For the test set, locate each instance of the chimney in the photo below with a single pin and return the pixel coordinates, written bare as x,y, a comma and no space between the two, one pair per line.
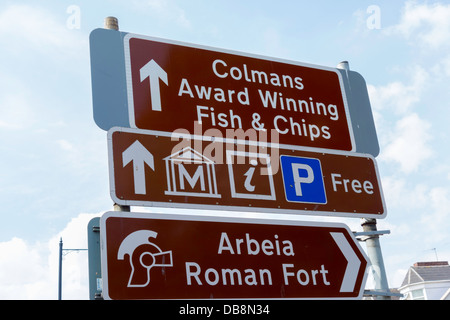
431,264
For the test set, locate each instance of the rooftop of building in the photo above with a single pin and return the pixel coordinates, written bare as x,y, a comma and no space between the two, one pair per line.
426,272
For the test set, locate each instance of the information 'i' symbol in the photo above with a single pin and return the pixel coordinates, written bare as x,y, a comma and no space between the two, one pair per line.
249,175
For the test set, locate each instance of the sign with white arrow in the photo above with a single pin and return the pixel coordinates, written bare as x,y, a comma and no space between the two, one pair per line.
174,86
156,256
159,84
150,168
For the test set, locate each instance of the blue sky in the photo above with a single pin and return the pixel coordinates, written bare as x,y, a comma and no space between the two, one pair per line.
54,173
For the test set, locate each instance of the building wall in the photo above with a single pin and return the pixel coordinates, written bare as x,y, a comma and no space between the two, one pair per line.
435,290
425,290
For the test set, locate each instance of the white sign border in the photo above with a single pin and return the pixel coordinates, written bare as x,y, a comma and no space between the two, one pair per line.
237,208
225,219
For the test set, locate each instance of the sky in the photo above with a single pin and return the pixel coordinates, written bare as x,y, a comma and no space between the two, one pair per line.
54,165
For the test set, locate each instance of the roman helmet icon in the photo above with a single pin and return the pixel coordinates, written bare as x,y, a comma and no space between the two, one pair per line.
143,255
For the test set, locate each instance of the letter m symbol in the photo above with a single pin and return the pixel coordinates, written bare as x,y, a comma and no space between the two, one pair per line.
198,175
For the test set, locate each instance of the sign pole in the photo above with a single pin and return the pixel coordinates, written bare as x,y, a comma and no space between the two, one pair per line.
113,23
376,258
373,242
60,269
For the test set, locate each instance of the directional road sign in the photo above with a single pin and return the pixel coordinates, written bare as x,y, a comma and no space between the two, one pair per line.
172,85
156,169
166,256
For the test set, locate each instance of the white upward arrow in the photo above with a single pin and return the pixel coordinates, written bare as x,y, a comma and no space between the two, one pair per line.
140,156
154,72
353,262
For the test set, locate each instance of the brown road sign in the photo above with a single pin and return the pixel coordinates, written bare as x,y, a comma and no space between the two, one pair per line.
157,256
153,169
173,85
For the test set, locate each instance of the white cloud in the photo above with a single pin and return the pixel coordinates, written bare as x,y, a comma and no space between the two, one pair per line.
399,194
22,26
30,270
36,45
398,96
23,269
165,10
442,68
418,205
410,143
65,145
446,65
437,216
16,110
422,215
424,24
407,141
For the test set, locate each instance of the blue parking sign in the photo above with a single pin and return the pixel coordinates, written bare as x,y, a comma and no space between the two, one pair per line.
303,180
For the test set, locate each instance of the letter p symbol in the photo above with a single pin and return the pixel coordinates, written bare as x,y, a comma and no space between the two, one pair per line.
298,180
303,180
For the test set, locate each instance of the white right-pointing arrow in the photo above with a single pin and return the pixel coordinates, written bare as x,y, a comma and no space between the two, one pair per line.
353,262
